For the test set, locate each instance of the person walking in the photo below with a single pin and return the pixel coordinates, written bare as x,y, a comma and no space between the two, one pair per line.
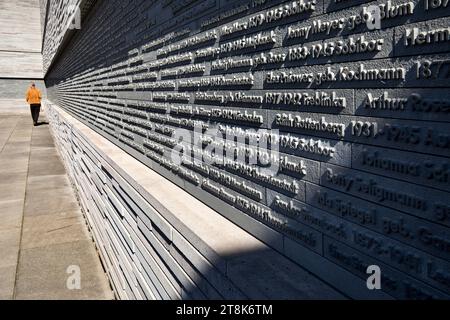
34,98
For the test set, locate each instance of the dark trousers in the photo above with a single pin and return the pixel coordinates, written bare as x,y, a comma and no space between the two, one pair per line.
35,109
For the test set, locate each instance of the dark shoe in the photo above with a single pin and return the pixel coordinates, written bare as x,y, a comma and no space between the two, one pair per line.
35,124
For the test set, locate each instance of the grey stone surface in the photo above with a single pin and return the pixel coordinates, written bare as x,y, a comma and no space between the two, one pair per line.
412,199
395,283
416,168
390,223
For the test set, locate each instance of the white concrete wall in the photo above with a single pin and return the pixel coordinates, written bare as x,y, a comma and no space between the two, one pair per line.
20,26
20,52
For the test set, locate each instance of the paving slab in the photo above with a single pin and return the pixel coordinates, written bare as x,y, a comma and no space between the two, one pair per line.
44,272
9,244
47,183
8,177
46,230
46,166
11,214
13,107
7,279
44,203
12,191
18,165
43,141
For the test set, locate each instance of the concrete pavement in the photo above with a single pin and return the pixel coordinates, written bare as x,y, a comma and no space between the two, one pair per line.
44,240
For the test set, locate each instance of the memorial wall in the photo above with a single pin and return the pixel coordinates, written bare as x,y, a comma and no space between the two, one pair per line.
60,20
322,134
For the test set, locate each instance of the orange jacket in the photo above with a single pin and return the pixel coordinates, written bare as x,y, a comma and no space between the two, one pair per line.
33,96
